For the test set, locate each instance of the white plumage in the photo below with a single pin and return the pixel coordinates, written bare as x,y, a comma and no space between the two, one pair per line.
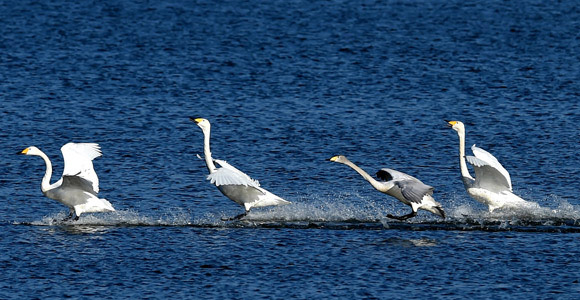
79,185
489,173
229,175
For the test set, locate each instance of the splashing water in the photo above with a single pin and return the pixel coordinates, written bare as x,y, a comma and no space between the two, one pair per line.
346,211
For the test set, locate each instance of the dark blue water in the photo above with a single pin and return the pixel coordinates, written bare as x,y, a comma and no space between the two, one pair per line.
286,85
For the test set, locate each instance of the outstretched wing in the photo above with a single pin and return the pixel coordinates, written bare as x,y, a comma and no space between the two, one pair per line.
78,162
229,175
77,183
414,190
489,173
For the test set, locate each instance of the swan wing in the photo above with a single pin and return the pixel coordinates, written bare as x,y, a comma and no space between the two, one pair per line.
414,190
490,160
78,161
488,176
77,183
229,175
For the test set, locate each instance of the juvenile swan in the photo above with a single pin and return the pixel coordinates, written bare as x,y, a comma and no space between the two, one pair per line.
79,184
492,185
232,182
406,188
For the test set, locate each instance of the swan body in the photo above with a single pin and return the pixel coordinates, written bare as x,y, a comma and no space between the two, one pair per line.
406,188
79,185
492,184
232,182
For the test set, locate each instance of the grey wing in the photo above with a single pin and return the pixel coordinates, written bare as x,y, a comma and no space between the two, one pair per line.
78,183
414,190
488,176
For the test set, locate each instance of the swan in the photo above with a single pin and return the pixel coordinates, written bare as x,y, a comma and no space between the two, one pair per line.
405,188
492,184
232,182
79,184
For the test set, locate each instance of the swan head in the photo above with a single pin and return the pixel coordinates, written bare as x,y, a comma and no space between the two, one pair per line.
202,123
338,159
457,126
30,151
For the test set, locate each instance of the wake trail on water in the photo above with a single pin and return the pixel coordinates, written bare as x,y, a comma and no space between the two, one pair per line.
341,212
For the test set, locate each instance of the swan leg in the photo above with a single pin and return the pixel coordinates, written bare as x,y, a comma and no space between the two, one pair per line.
236,217
404,217
70,216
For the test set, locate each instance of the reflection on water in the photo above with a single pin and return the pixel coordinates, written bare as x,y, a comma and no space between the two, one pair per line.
422,242
79,229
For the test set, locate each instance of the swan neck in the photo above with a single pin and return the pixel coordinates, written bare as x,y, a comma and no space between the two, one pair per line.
462,163
45,185
207,152
377,185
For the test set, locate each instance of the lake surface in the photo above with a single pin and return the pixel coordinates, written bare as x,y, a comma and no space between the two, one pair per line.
287,85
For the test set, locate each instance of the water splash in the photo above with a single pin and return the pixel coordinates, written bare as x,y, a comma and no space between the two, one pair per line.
175,217
346,211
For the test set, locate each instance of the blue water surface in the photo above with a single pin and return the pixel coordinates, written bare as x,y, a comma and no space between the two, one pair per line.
286,85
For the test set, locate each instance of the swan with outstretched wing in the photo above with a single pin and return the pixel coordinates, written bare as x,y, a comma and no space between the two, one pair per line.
79,185
492,184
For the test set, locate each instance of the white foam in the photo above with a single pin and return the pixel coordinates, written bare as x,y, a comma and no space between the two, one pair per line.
339,207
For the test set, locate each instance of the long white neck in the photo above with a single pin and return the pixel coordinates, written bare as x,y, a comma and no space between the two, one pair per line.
466,177
206,151
376,184
45,185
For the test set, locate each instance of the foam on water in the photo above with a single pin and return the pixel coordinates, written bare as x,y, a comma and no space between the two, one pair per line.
174,217
340,212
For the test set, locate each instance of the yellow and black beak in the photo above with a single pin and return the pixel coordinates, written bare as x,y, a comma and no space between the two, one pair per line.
23,152
451,123
196,120
334,158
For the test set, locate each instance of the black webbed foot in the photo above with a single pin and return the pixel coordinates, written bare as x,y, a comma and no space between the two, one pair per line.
238,217
71,217
402,218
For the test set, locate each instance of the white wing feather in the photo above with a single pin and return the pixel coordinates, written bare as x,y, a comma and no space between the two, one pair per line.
78,161
229,175
489,173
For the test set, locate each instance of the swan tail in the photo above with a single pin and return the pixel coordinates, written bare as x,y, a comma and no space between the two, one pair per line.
269,199
106,205
429,204
438,210
94,205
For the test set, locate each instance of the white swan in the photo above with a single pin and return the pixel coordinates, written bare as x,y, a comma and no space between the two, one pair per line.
492,184
405,188
232,182
79,184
